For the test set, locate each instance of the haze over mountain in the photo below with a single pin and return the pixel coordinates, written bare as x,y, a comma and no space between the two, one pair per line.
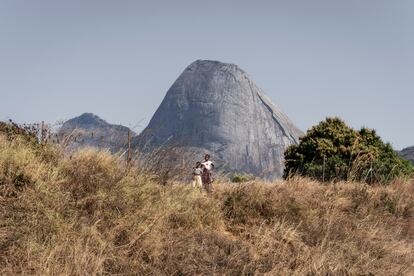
215,108
90,130
408,153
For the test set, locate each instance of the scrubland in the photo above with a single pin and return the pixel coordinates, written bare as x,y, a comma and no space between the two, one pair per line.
86,214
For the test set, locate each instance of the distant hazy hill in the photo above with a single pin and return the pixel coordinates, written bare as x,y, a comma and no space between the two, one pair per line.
90,130
408,153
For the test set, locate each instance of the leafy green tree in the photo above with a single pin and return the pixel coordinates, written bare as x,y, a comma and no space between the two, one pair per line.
332,151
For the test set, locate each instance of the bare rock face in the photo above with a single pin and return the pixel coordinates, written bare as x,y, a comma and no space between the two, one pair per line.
216,108
408,153
88,130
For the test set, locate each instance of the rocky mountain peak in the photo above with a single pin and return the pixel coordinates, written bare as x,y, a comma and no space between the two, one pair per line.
90,130
215,107
87,120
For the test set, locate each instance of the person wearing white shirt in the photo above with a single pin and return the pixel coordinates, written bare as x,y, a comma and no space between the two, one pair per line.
206,177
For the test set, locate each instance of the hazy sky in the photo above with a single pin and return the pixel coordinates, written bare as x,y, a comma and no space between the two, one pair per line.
350,58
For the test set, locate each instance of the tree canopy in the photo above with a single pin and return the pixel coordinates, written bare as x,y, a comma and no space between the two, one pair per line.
332,151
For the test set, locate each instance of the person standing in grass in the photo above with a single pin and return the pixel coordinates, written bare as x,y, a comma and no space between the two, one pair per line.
206,177
197,172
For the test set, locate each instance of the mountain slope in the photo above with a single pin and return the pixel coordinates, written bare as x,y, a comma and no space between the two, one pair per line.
90,130
408,153
214,107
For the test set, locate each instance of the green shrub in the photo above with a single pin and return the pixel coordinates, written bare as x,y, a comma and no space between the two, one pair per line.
332,151
239,178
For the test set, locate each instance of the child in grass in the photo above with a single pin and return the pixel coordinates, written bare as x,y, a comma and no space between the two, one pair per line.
197,172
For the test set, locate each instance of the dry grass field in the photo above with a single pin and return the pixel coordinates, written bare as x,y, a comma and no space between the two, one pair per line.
87,215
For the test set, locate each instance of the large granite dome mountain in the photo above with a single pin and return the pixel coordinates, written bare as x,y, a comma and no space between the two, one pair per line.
92,131
408,153
214,107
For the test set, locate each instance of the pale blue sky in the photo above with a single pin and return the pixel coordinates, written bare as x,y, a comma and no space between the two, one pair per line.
351,58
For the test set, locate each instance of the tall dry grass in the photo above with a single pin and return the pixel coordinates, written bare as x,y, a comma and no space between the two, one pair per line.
86,214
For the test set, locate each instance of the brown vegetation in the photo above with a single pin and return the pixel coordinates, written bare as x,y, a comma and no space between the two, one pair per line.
87,215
